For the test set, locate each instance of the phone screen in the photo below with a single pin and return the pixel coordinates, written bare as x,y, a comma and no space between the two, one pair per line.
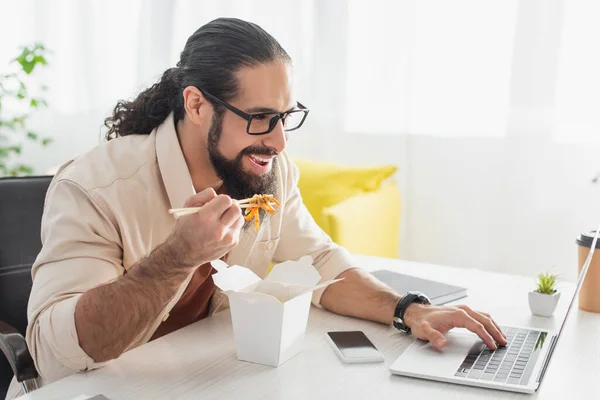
354,344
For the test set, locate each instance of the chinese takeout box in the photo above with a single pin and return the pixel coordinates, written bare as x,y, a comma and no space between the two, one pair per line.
269,316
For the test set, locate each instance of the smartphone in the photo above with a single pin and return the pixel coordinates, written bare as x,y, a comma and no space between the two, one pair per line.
354,347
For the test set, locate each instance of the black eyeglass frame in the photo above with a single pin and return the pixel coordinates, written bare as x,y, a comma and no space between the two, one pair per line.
249,117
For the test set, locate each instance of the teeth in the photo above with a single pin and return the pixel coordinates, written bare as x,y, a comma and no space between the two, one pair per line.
265,160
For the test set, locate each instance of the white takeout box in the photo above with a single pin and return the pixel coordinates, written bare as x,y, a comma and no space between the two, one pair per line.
269,316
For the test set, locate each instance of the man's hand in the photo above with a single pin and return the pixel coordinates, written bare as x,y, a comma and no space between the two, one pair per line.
431,322
361,295
209,234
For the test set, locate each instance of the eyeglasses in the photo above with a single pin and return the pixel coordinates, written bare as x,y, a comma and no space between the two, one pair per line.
263,123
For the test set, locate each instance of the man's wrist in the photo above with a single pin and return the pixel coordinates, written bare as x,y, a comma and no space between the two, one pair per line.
163,264
177,255
412,313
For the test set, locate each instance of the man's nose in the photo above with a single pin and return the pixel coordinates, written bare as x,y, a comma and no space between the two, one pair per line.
277,138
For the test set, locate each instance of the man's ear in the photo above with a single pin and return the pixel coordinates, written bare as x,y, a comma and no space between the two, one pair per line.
195,105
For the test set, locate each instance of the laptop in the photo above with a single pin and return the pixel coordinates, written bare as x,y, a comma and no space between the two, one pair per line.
519,366
438,292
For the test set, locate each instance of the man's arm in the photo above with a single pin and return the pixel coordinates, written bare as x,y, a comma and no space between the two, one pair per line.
361,295
81,304
107,328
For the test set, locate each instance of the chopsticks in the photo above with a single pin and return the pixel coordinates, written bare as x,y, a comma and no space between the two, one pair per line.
251,202
180,212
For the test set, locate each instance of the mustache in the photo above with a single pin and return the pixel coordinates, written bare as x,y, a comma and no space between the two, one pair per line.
260,150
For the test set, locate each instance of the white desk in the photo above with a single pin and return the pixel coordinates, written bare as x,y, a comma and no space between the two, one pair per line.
199,361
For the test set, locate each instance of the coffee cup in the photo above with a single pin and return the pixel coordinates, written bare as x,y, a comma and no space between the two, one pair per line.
589,296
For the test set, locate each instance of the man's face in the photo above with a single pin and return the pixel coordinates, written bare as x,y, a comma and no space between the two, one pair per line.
245,162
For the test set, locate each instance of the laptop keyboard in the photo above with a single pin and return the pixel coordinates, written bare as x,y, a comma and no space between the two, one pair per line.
511,364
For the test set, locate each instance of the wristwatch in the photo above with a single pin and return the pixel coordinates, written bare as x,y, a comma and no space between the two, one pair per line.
408,299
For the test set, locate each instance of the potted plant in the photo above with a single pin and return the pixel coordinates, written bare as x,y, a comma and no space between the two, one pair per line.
18,100
544,299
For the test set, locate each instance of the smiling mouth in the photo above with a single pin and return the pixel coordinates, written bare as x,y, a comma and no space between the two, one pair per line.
260,160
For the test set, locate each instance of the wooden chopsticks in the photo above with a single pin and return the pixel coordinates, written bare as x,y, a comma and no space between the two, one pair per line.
180,212
252,204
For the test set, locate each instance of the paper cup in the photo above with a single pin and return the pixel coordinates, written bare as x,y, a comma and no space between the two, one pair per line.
589,296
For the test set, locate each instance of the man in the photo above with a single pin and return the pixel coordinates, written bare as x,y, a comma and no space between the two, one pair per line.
117,270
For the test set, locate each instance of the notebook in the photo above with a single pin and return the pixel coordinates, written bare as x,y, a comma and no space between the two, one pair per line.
438,292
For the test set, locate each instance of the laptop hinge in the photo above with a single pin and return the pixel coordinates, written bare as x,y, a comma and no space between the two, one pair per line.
547,359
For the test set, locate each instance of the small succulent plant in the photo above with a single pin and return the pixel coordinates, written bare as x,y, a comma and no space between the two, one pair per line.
546,283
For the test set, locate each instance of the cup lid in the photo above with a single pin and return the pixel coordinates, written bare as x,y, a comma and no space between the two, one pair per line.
586,239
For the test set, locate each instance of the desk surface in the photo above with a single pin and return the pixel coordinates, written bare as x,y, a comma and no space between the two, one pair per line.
200,361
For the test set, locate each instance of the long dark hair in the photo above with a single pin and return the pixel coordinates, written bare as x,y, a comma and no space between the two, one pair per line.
210,59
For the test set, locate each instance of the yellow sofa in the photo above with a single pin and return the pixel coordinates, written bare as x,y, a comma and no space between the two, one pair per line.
358,207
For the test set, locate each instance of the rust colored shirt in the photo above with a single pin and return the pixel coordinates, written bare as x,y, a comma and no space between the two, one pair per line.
193,304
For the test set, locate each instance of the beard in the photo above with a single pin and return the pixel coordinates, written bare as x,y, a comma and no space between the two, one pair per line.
237,182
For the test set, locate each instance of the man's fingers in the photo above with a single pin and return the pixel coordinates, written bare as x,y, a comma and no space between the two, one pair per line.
435,337
487,323
493,322
200,198
231,215
239,223
464,320
218,205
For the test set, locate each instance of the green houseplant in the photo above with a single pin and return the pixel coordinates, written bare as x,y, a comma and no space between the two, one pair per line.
544,299
19,99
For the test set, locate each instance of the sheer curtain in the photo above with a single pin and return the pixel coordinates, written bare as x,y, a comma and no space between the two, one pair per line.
578,83
430,67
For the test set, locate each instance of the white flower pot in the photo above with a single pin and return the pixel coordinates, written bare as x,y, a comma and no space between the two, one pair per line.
543,304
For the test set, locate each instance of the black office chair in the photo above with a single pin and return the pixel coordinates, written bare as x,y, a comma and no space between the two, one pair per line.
21,206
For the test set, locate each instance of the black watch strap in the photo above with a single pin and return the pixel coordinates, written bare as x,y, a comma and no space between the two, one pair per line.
408,299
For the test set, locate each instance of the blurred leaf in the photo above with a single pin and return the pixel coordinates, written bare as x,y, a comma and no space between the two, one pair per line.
30,57
20,120
22,58
15,149
8,124
27,66
40,60
44,88
25,169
